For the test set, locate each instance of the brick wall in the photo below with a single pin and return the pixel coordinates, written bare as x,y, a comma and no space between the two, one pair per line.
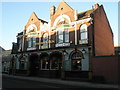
103,38
107,67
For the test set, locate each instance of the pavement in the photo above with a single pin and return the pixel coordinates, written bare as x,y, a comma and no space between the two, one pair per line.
65,82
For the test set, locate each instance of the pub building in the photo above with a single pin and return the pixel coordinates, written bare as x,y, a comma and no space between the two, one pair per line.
64,46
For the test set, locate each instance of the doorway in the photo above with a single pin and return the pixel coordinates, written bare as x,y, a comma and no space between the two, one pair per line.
34,65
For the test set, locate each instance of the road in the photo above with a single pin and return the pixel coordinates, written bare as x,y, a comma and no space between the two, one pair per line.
13,83
8,82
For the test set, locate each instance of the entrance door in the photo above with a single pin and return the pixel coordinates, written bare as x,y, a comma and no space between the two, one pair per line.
34,65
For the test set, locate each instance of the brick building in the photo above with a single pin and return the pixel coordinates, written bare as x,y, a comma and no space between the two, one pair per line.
64,46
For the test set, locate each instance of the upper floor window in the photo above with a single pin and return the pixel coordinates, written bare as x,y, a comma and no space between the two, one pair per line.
62,35
45,40
31,42
20,44
83,34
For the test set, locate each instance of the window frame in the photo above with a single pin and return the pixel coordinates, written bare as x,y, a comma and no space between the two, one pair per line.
64,35
83,30
41,62
45,42
78,60
31,42
52,64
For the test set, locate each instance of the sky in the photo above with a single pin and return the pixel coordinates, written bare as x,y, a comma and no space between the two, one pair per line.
14,16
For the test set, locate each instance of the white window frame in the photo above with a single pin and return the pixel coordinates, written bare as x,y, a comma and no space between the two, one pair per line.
45,42
83,31
63,34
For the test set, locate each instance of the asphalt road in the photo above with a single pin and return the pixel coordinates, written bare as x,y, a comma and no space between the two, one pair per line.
12,83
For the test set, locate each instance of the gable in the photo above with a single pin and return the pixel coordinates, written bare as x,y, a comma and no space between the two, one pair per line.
63,8
33,18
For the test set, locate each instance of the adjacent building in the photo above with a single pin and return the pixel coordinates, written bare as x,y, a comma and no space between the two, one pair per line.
64,46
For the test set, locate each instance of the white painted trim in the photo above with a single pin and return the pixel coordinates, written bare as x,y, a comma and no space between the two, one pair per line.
32,25
76,33
61,17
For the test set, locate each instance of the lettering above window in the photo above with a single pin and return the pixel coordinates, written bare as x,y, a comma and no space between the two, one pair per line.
83,34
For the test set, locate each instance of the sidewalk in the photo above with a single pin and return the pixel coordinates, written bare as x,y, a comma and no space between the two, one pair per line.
65,82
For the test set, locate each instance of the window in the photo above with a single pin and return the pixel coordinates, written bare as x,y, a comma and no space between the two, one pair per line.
45,40
66,32
83,34
20,44
62,35
22,63
31,42
83,31
54,63
76,60
45,63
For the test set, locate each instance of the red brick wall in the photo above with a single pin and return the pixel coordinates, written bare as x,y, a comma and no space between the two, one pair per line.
107,66
103,39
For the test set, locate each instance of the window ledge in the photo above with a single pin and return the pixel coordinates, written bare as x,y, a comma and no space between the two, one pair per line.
32,48
85,41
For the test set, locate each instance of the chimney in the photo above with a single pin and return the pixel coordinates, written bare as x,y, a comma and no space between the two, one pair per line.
52,10
96,6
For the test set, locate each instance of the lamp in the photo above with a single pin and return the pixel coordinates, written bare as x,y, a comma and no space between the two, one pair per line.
64,52
83,51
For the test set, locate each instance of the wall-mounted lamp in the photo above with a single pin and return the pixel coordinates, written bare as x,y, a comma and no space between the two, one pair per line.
64,52
83,51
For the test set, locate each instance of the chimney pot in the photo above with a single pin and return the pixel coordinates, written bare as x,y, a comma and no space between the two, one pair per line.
96,6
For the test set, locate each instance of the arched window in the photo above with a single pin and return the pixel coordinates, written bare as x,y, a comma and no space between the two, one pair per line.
45,40
31,32
83,34
62,35
76,59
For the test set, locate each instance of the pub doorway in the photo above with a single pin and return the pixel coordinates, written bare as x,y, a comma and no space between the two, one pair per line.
33,65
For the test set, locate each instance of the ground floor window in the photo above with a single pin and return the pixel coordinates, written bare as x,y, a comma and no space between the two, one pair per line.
44,59
76,59
44,64
22,63
76,64
54,63
50,61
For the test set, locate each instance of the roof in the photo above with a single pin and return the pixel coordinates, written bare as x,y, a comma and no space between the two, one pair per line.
43,21
85,14
1,49
39,18
6,52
